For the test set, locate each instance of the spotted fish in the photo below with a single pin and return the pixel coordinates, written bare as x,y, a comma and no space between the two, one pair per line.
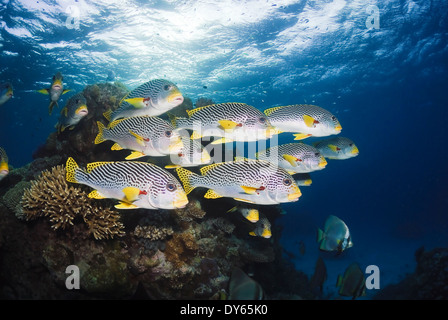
230,121
262,228
152,98
339,148
251,214
74,110
134,184
145,135
252,181
294,157
305,119
4,167
55,91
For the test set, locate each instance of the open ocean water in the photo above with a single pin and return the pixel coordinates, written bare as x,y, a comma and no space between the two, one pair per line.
381,67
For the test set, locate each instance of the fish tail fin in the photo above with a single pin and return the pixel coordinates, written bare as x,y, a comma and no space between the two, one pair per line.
186,177
51,106
73,173
100,137
108,114
320,235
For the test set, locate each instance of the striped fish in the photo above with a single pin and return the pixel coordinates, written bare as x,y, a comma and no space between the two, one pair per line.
192,154
252,181
134,184
152,98
74,110
230,121
145,135
250,214
294,157
262,228
339,148
4,167
306,119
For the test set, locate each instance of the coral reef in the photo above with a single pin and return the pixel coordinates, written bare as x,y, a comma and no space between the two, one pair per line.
428,282
202,102
50,196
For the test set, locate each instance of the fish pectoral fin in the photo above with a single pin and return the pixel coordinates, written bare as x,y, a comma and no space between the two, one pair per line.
116,147
249,190
291,159
135,155
66,90
195,135
131,193
227,124
140,140
44,91
137,102
333,147
124,205
211,194
291,172
301,136
309,121
222,140
233,209
95,194
243,200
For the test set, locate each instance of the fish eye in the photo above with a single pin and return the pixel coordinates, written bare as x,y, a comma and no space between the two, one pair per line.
262,120
168,133
317,154
333,118
78,101
170,187
287,182
350,145
166,87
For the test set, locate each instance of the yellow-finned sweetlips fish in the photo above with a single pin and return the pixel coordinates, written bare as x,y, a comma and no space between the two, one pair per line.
55,91
251,214
152,98
252,181
6,92
75,109
4,167
337,148
231,121
262,228
304,119
134,184
294,157
352,283
192,154
145,135
335,236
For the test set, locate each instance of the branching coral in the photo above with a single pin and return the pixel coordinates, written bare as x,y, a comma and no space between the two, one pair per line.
51,196
181,248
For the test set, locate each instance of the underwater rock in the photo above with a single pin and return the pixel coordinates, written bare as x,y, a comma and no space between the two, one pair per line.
428,282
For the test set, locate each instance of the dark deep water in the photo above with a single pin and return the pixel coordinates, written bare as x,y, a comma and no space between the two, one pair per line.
387,86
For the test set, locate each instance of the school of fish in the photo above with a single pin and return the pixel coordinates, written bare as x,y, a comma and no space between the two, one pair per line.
272,177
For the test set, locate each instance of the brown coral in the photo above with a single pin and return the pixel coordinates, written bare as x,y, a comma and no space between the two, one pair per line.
51,196
152,232
181,248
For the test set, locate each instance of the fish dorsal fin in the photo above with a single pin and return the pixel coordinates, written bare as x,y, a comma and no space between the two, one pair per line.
192,112
206,169
211,194
269,111
94,165
114,123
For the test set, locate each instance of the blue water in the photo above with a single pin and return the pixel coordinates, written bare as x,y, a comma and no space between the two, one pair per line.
386,84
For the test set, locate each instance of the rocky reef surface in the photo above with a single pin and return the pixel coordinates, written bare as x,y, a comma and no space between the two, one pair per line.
48,225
